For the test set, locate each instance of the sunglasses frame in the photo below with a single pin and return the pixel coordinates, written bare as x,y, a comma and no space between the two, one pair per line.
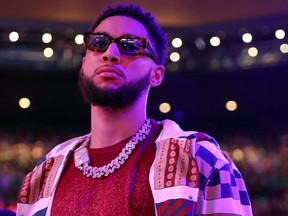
145,44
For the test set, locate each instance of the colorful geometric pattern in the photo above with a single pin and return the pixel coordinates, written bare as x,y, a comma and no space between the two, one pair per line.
220,181
174,168
39,182
217,183
191,175
176,207
174,165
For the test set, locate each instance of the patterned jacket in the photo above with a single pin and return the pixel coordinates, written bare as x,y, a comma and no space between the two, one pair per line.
190,175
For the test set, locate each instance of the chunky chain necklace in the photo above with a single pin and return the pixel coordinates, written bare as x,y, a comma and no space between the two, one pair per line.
82,159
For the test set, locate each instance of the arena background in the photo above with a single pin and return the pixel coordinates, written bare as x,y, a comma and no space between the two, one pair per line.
196,87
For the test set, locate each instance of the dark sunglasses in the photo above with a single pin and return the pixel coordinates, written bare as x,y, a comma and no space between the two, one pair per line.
128,45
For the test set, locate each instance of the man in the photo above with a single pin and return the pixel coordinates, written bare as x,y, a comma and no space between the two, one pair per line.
130,164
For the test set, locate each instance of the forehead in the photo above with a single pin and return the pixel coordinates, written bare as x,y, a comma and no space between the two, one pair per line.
117,26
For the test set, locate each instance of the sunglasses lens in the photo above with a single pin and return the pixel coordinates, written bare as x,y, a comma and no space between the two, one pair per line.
126,45
98,42
130,46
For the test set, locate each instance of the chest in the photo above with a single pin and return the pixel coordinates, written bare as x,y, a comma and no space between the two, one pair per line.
128,187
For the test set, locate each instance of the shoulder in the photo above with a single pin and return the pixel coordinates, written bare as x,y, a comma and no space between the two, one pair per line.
64,148
203,146
172,130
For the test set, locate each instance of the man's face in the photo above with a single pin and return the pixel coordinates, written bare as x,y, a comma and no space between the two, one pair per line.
112,73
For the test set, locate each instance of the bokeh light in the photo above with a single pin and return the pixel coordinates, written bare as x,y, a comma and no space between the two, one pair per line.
284,48
247,37
231,105
253,51
280,34
176,42
24,103
215,41
48,52
175,56
14,36
79,39
165,107
46,38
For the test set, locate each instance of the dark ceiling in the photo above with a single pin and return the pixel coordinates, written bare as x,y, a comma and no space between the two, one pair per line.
169,13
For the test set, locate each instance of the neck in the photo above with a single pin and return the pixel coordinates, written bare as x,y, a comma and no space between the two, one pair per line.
110,126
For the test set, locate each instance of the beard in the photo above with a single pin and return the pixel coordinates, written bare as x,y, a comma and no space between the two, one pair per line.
112,98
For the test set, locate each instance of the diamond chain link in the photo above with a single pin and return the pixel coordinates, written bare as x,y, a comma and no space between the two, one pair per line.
116,163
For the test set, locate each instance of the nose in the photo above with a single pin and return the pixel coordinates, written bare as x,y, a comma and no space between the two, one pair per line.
112,54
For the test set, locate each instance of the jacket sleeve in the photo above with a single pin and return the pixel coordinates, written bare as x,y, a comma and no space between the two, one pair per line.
222,189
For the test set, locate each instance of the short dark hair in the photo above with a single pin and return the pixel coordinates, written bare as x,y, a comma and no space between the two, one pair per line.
157,35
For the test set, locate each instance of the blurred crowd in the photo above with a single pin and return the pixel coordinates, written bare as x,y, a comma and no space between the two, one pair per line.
262,162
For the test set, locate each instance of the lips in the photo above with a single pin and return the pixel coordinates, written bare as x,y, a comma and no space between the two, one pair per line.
108,70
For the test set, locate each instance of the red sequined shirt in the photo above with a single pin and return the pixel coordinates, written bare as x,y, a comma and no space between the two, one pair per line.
124,192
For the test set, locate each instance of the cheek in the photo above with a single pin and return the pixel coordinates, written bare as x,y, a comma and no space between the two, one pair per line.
89,64
138,66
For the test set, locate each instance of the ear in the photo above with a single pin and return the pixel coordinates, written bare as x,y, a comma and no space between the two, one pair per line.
83,59
157,75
